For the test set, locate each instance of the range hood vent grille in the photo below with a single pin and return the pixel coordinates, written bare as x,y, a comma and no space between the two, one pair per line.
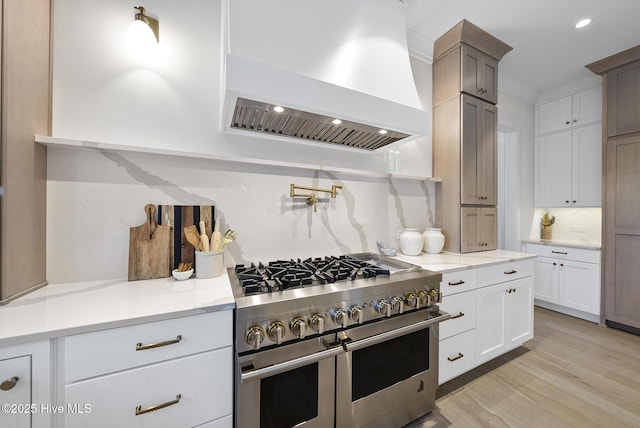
260,117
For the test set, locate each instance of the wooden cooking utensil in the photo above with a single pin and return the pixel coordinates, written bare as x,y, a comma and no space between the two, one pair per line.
191,233
216,237
149,248
204,239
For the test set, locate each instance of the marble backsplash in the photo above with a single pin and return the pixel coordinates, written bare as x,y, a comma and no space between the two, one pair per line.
94,197
579,225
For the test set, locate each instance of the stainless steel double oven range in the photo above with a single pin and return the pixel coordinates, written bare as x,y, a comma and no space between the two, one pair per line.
348,341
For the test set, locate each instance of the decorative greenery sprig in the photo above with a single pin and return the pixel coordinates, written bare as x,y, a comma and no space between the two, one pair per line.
547,220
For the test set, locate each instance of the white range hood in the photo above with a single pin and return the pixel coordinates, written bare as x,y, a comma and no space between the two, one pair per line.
321,61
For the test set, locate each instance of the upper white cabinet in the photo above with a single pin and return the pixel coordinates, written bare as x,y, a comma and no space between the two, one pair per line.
569,168
580,109
568,151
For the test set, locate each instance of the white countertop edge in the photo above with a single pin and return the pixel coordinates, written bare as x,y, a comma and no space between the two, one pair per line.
59,310
447,262
570,244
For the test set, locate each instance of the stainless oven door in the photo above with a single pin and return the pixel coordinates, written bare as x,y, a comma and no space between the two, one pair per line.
287,386
389,374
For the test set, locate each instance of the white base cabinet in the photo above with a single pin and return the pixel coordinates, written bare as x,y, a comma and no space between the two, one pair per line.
491,313
175,373
505,318
567,280
25,375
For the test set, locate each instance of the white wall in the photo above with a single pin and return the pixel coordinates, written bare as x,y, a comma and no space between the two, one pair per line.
517,117
102,94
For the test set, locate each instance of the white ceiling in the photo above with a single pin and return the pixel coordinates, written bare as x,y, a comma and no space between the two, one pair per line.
547,50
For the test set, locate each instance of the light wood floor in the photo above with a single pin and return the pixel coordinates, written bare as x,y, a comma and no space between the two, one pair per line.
573,373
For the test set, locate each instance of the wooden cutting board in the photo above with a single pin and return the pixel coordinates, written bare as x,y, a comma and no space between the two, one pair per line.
149,248
177,217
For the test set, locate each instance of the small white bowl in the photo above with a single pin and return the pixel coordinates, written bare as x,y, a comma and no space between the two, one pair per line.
181,276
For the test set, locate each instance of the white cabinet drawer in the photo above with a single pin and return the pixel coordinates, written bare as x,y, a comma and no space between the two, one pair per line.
568,253
458,282
204,382
504,272
106,351
18,397
457,355
462,307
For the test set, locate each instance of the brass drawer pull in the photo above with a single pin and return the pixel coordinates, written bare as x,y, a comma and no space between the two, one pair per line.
141,411
461,314
141,347
457,283
511,272
457,357
9,383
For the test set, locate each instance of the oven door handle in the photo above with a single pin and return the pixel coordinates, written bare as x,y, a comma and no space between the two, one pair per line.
388,335
275,369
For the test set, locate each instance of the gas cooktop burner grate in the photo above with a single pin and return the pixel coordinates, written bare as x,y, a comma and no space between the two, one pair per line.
284,274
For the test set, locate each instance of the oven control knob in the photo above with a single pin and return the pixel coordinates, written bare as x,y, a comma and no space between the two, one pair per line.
299,327
276,331
383,307
411,300
316,321
434,297
397,304
423,298
339,316
254,337
356,314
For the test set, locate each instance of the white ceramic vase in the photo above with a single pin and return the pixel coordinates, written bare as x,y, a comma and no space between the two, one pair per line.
433,240
411,242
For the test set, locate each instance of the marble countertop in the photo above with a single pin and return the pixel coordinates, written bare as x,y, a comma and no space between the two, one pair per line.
571,244
451,262
63,309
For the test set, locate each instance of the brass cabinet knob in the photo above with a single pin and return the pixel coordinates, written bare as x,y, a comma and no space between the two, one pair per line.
9,383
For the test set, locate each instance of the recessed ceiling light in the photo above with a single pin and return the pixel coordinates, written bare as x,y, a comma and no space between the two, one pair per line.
583,23
382,131
278,109
336,121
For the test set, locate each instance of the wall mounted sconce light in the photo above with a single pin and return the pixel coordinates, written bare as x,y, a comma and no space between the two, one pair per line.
143,35
143,23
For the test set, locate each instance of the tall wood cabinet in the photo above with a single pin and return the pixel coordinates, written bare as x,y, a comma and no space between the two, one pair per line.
465,129
621,223
24,112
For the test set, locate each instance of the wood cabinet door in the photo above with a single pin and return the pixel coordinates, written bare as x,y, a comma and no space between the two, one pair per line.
553,170
471,124
479,155
546,279
479,74
469,232
586,166
623,93
487,155
555,115
622,232
488,228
